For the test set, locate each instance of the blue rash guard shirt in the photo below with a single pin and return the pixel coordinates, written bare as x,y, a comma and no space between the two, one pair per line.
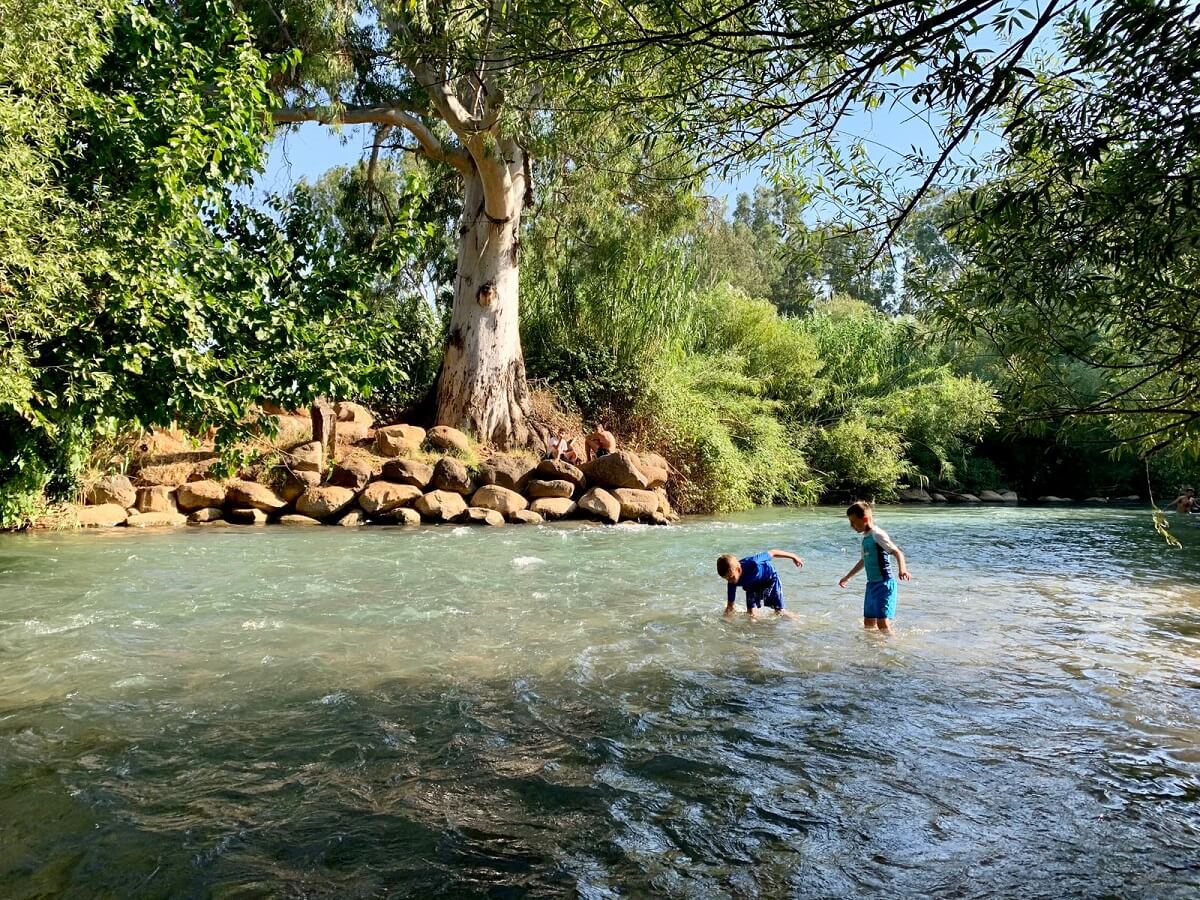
760,581
877,549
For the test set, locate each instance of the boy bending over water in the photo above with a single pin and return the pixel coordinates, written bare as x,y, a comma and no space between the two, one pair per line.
757,576
879,604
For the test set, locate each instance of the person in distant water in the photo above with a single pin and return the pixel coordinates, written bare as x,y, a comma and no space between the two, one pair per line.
1185,502
600,442
878,553
560,447
756,575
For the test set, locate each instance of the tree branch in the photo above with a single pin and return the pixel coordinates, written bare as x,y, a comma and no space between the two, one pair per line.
431,145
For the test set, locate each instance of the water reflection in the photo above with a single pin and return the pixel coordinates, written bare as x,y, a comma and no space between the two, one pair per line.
562,711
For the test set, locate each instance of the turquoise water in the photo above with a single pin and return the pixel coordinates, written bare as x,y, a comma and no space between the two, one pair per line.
562,711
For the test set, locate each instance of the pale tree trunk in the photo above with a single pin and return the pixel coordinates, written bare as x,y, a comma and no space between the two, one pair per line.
482,387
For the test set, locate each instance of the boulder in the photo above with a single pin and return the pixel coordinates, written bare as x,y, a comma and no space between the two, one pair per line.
443,437
915,495
477,515
451,475
352,412
203,516
114,489
510,472
352,432
1050,498
560,488
156,498
402,515
156,520
247,516
501,499
102,515
636,504
1096,500
308,457
324,502
601,504
655,468
293,484
526,517
440,506
352,519
297,519
938,498
1009,496
200,495
408,471
242,494
961,498
664,505
559,470
355,473
616,470
990,497
384,496
399,440
553,507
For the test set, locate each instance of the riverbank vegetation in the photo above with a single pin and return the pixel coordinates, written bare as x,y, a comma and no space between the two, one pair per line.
1022,319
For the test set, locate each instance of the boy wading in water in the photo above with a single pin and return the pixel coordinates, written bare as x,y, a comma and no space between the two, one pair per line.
757,576
879,604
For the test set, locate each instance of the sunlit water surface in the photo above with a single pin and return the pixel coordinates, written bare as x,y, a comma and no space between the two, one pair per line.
562,711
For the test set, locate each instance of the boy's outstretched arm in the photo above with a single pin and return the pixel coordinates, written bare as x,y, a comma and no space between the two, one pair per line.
858,567
784,554
903,566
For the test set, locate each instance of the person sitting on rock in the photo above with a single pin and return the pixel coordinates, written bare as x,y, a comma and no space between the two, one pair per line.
600,442
560,447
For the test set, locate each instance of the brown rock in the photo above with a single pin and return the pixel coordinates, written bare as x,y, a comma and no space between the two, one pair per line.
501,499
478,516
296,519
354,473
242,494
116,489
200,495
103,515
324,502
526,517
553,507
308,457
443,437
156,498
451,475
601,504
402,515
353,412
655,468
510,472
352,432
408,471
561,488
617,470
206,515
636,504
383,496
352,519
156,520
246,516
399,440
440,506
559,470
664,505
293,484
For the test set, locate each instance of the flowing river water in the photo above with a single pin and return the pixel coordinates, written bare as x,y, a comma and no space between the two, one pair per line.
562,711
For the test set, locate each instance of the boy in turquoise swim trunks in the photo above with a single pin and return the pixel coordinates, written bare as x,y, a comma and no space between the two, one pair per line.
757,576
879,604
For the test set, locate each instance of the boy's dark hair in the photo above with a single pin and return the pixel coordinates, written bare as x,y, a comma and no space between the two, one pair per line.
725,563
860,509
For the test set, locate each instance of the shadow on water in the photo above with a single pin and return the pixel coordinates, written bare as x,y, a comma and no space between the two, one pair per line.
195,717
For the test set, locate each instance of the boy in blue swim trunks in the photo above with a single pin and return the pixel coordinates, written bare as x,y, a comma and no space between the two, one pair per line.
879,604
756,575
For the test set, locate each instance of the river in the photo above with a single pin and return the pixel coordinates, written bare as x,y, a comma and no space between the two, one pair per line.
562,711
